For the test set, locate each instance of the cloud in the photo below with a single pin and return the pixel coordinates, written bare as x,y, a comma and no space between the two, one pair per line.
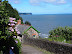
49,1
36,2
15,1
62,1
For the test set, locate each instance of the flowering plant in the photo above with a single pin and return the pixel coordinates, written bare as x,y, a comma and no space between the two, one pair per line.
8,32
13,30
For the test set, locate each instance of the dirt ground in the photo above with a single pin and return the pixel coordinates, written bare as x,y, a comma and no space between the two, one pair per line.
26,49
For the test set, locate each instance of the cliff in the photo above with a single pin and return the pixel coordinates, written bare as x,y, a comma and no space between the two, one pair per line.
25,13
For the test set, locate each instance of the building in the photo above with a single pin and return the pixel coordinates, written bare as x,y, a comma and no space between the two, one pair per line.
30,30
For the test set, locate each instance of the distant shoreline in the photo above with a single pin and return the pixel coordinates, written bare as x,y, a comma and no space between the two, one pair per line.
45,14
25,13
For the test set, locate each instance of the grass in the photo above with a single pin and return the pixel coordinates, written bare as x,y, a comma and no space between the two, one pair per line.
59,40
44,51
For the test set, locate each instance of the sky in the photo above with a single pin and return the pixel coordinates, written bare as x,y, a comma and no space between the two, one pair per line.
42,6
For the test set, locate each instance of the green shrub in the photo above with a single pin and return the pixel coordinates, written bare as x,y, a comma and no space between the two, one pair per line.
27,23
61,33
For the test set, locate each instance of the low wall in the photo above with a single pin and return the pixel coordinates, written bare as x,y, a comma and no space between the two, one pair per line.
56,47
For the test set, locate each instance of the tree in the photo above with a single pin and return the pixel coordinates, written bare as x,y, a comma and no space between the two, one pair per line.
27,23
12,12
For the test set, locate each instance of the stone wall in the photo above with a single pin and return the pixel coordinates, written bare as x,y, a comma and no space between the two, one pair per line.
56,47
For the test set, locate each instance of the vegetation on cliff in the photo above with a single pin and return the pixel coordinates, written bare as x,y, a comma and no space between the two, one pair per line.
12,12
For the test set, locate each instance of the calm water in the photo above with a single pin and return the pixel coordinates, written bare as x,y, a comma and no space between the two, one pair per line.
45,23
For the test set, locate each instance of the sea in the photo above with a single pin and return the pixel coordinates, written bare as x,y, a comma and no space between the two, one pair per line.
47,22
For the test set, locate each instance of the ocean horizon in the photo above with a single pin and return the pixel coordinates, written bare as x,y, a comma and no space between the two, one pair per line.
55,14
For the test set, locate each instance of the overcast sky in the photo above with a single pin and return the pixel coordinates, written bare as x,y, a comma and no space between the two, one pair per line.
43,6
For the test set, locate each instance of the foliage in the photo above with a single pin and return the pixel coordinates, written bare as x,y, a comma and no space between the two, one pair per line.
6,38
27,23
19,46
3,27
12,12
61,34
39,37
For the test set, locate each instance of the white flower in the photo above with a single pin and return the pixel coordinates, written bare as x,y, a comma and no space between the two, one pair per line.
12,47
12,18
12,30
16,41
18,32
9,24
15,22
12,24
14,36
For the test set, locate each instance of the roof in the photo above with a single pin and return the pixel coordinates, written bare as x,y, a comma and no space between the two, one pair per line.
22,28
25,28
33,28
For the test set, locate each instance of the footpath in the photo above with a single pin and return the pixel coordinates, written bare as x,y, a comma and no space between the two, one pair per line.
26,49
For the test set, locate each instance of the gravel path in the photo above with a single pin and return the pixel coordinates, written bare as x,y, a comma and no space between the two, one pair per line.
26,49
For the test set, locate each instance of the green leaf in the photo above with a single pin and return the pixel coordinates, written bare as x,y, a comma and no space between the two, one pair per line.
0,32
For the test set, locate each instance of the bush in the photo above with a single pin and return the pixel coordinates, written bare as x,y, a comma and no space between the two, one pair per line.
27,23
62,33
